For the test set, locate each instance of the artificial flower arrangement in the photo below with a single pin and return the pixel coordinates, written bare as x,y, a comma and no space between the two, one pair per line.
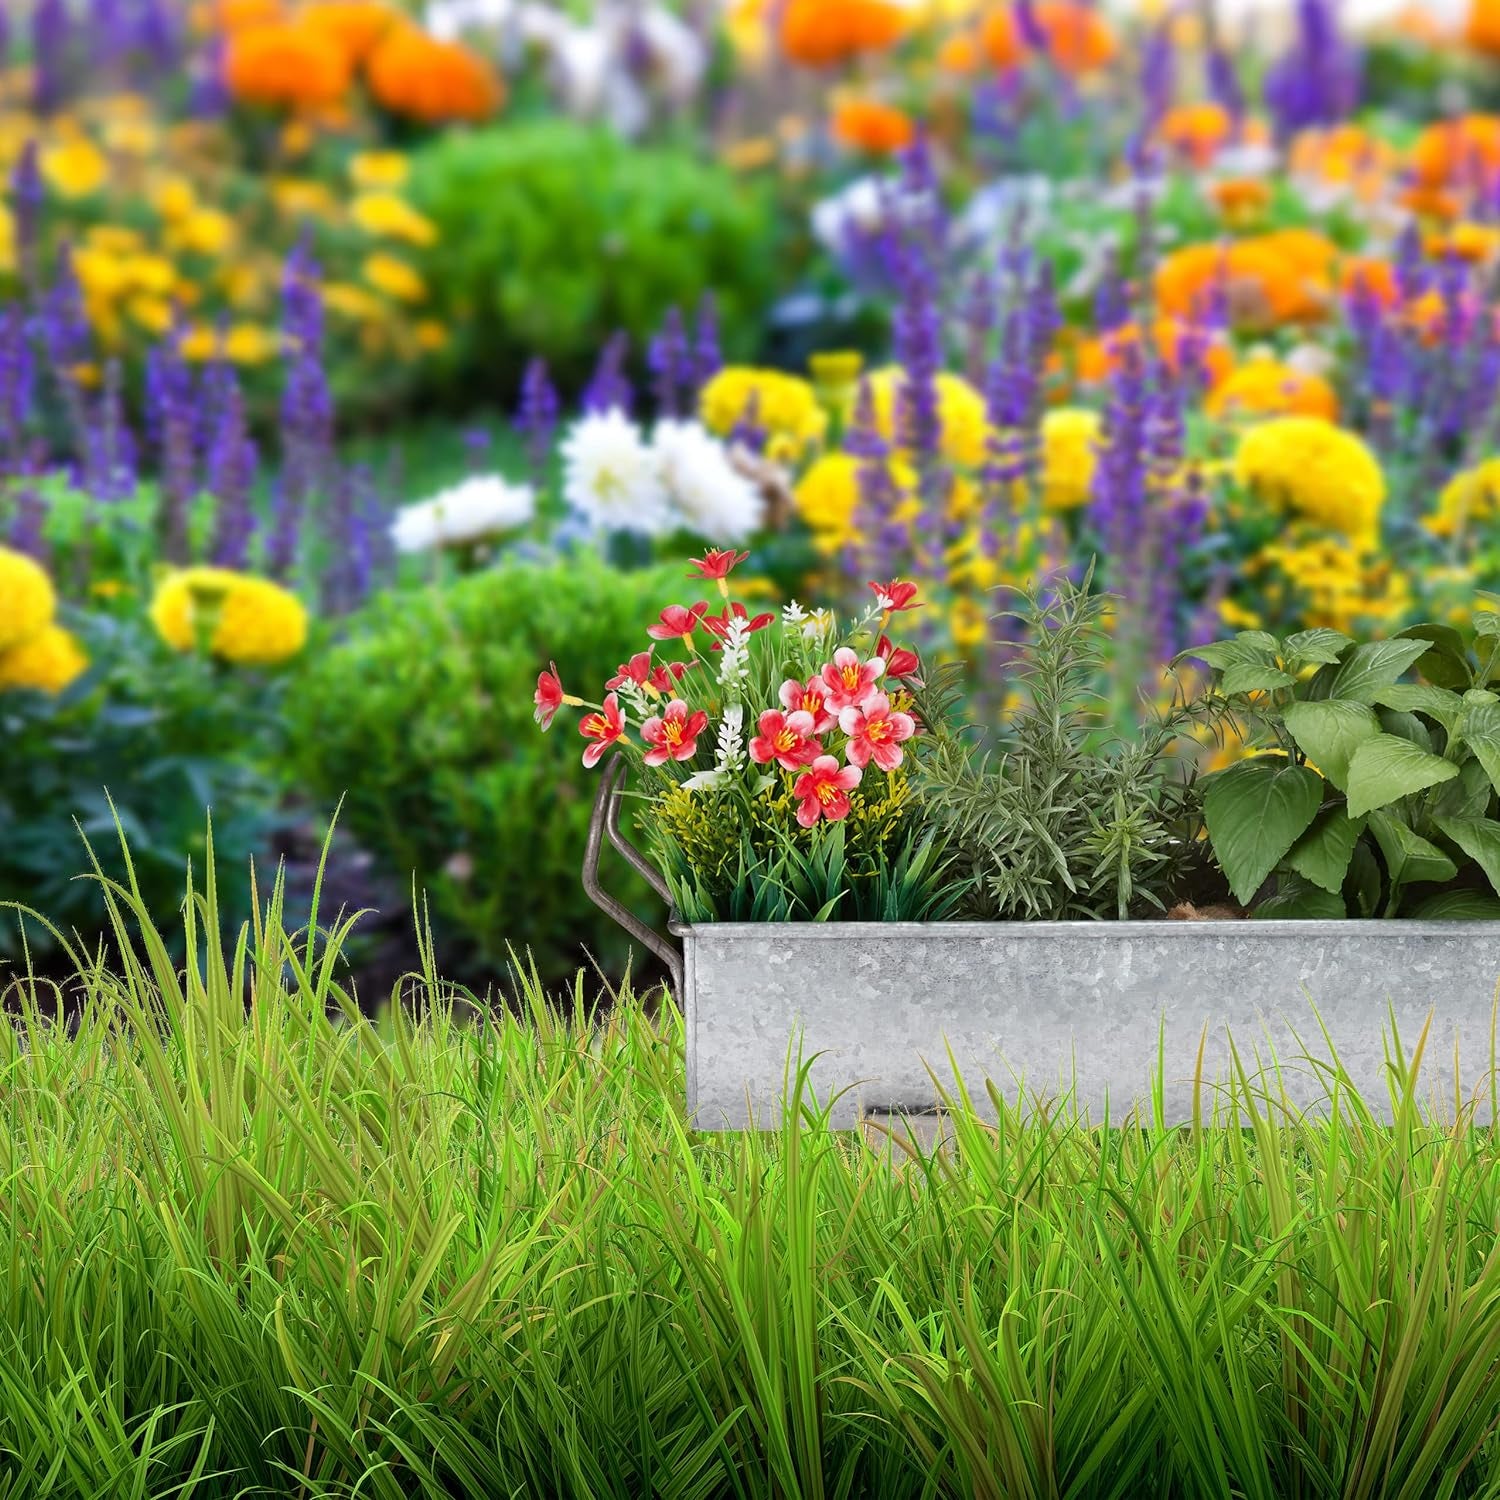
772,751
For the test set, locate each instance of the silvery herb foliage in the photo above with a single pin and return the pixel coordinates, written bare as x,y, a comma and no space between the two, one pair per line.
1374,789
1063,818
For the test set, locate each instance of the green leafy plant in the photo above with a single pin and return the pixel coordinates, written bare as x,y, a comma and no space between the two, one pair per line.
1066,819
1375,794
552,231
146,736
421,721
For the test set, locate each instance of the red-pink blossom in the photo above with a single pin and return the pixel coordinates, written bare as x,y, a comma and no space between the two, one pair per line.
876,732
637,670
549,696
677,620
603,728
809,697
673,735
899,662
896,595
822,791
788,739
719,624
849,681
716,563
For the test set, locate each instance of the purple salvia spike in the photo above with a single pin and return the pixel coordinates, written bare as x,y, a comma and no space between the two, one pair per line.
609,387
536,418
667,359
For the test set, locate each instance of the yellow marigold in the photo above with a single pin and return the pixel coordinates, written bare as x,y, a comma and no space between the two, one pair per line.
1340,585
961,413
371,170
352,302
1316,470
413,74
432,335
206,231
303,197
174,199
1268,388
239,618
827,496
1070,439
386,214
75,169
286,66
27,599
7,240
45,662
249,344
395,278
1468,499
784,406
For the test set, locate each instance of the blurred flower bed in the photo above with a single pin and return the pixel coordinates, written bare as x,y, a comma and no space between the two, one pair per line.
966,294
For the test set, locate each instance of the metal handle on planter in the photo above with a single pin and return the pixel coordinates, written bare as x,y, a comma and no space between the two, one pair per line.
606,822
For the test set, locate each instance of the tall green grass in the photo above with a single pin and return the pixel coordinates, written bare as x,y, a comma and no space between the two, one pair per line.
278,1249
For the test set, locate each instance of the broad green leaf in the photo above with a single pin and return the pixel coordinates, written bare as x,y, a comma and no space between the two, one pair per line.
1458,906
1445,663
1479,838
1256,811
1486,622
1409,858
1368,667
1323,853
1320,645
1386,768
1422,698
1329,732
1468,795
1481,733
1249,646
1364,879
1300,901
1254,677
1407,726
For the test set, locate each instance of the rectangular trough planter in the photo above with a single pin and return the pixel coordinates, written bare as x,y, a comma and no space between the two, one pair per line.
1046,1008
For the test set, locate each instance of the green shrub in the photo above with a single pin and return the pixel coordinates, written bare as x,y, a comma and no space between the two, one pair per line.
422,722
553,234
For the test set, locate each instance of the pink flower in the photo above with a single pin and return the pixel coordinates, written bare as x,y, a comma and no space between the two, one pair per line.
809,697
674,734
604,728
549,696
848,681
875,732
785,738
677,620
899,662
895,595
822,791
716,563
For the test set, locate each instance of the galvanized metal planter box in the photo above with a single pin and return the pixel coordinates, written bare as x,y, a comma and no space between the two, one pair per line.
1048,1007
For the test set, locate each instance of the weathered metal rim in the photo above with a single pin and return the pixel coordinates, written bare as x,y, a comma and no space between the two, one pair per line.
1390,930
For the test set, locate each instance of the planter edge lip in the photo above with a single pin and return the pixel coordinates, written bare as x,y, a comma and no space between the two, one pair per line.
1392,928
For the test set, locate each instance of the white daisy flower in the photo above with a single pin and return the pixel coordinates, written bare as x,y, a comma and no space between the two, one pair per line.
481,507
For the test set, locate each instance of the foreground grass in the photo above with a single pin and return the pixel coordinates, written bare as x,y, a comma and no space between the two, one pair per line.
285,1251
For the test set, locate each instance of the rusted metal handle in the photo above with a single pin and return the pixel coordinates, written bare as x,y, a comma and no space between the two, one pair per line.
605,823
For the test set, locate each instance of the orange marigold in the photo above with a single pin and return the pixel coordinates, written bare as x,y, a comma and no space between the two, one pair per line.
1482,30
1079,39
823,33
1096,358
869,125
1267,280
236,15
1195,132
286,65
1371,277
1447,153
416,75
356,25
